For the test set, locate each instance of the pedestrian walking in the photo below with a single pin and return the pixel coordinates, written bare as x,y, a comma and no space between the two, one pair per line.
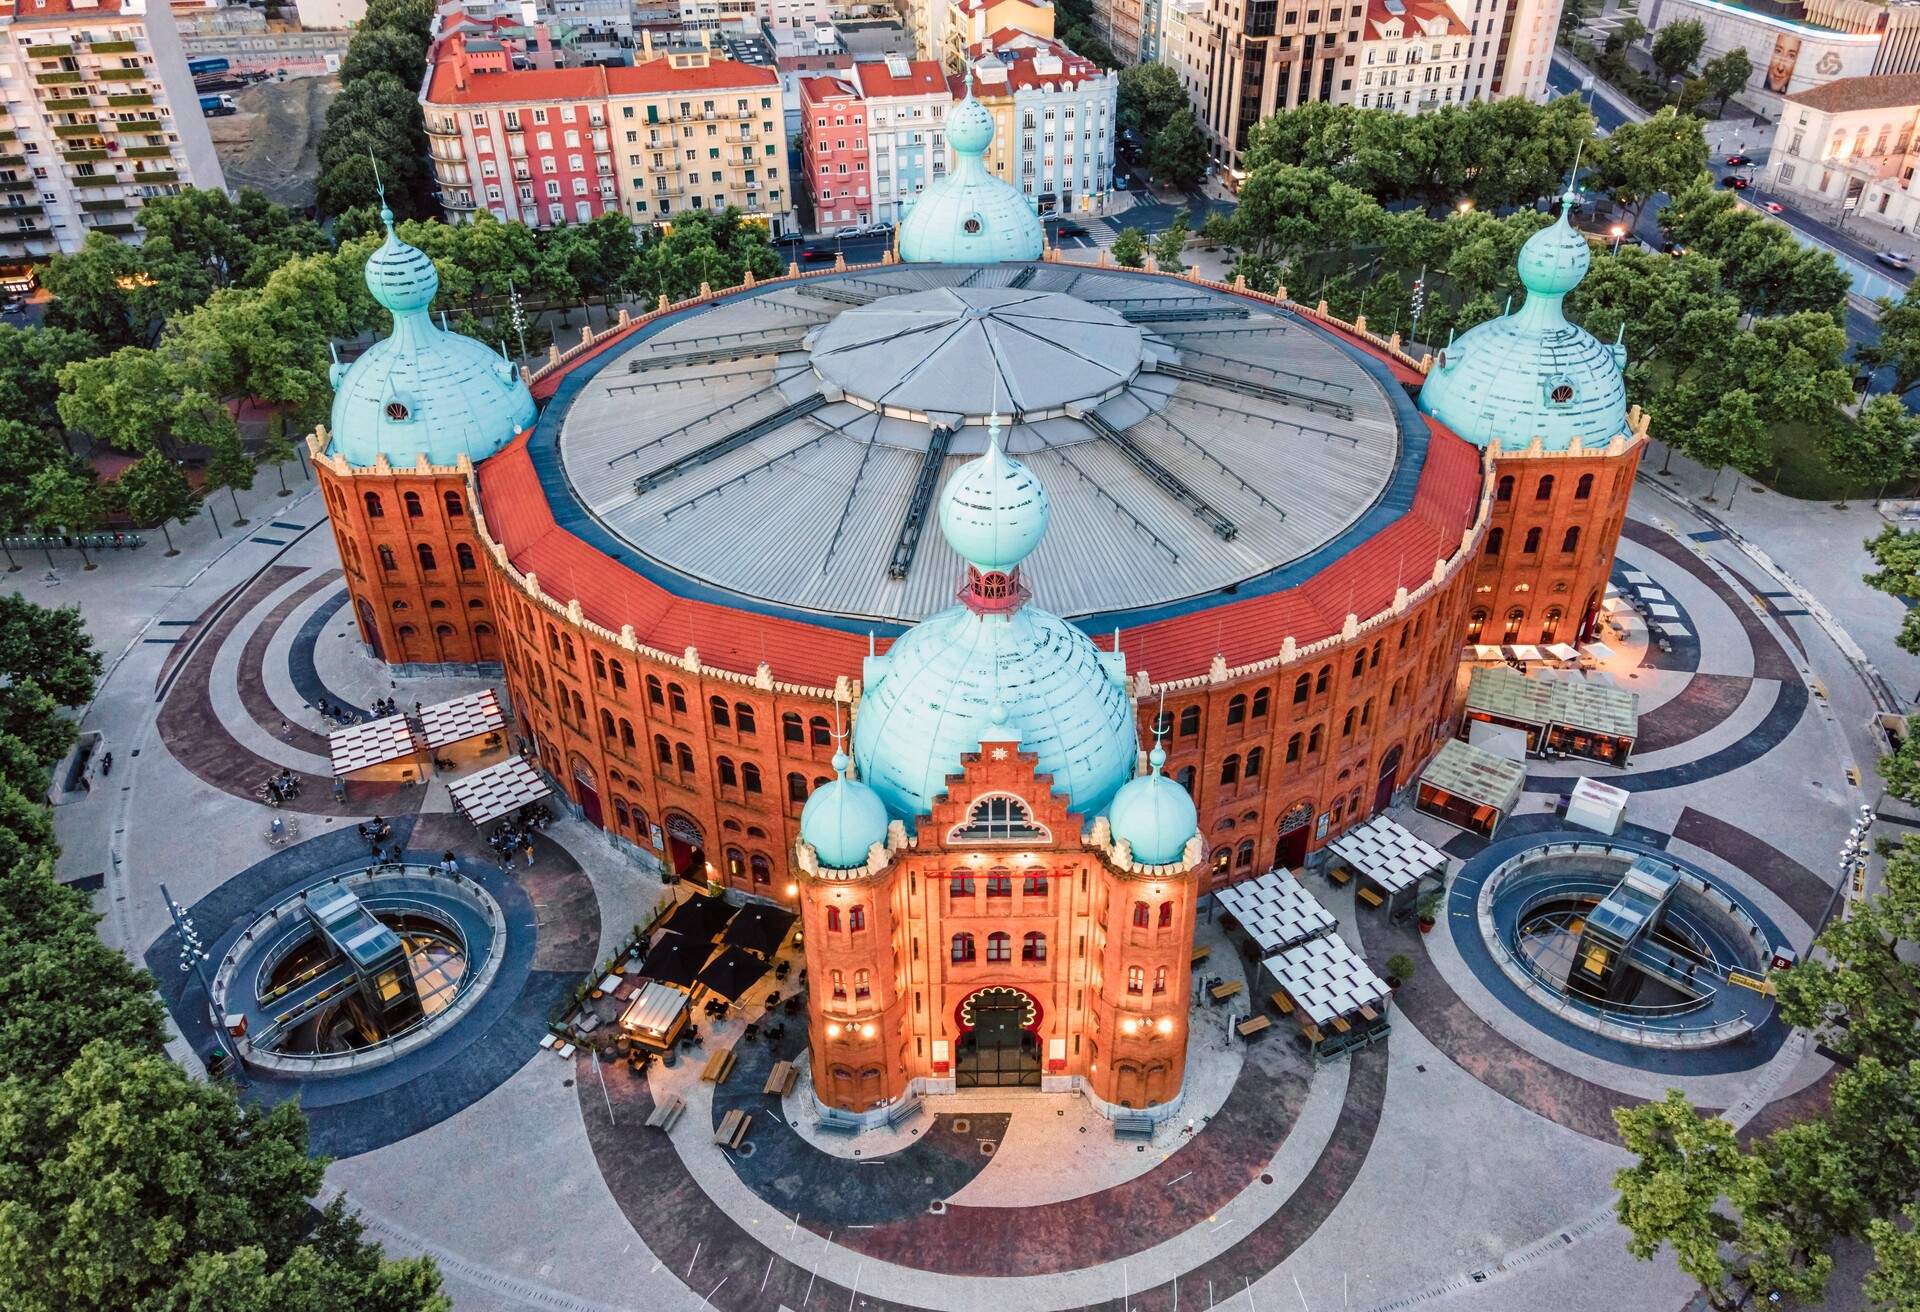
447,864
106,765
529,850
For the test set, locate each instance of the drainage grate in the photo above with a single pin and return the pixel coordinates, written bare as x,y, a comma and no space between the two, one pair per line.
986,1147
961,1125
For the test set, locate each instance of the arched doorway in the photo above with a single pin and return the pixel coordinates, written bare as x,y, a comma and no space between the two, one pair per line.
1291,850
1000,1049
686,847
1389,778
485,646
586,794
411,652
1589,618
368,629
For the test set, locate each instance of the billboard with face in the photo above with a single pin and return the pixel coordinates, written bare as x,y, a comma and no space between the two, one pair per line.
1786,53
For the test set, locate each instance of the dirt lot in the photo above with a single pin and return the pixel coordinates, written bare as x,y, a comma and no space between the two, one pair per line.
271,142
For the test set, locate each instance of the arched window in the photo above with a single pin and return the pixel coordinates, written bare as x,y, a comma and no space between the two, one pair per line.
427,562
1543,490
729,777
1584,488
856,919
1313,740
402,605
1514,618
1189,721
412,502
676,699
599,666
962,949
620,812
862,985
1496,538
1230,769
839,980
654,694
796,787
792,728
662,749
819,732
999,817
1359,663
387,562
1136,979
1222,860
1159,979
619,673
1254,757
1243,856
1033,946
999,946
1571,541
683,755
375,510
463,556
1476,622
749,777
1293,748
454,508
606,725
1503,491
1185,779
1321,678
1260,699
1346,725
579,710
743,718
736,862
1550,624
722,714
626,732
1237,708
761,867
1142,914
1532,543
1166,914
1301,687
833,919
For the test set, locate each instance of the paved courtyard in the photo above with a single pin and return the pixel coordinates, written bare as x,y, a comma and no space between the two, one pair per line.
1465,1162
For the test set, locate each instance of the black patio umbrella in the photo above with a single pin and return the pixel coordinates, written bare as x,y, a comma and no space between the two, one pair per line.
699,918
675,959
732,973
759,928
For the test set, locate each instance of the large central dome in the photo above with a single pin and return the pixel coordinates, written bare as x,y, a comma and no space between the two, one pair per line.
951,351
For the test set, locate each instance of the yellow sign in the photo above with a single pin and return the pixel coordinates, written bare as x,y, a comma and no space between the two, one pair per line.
1759,984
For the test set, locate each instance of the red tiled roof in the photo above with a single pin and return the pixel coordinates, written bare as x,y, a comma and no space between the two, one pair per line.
826,87
975,6
657,75
1362,582
1876,91
1022,72
66,11
1412,14
923,75
533,85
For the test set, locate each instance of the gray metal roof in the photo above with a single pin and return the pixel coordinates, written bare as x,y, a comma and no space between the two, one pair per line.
1274,429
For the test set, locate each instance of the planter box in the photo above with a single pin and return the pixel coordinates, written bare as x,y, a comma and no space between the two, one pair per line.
76,129
148,152
129,100
61,79
95,206
113,47
83,156
49,52
121,74
70,102
158,175
95,180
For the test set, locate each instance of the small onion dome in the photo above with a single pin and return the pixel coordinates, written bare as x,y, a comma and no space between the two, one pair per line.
843,819
1554,260
970,126
401,277
1154,815
994,511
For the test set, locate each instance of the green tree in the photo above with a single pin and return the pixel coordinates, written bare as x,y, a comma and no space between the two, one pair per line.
1727,76
63,499
1629,31
1760,263
397,52
276,450
156,492
1638,161
1169,245
1676,46
122,294
1894,1283
375,119
1149,95
1129,249
1178,151
1900,769
1898,343
125,399
1874,449
716,247
229,468
1731,433
24,450
1897,556
239,239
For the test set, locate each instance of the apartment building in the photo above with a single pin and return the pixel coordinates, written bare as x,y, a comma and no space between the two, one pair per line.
962,23
1415,56
101,116
1524,49
1188,46
833,145
1054,118
680,129
1851,143
907,104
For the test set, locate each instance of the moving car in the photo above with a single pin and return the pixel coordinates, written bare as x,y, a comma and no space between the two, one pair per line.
1894,259
1738,160
1774,207
1071,229
817,255
1736,181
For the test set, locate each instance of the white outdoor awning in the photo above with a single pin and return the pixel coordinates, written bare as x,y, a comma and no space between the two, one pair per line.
1485,653
1660,610
1274,910
1599,651
462,718
1673,630
1563,651
1326,978
498,790
1387,854
1651,594
376,742
654,1009
1527,653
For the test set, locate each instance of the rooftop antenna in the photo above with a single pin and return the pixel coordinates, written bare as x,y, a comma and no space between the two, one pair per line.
1573,178
380,189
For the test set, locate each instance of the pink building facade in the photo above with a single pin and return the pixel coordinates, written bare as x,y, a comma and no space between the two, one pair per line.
834,149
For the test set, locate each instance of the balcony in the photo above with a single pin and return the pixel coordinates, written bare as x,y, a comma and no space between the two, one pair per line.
68,102
122,74
76,129
22,184
88,155
118,229
96,206
136,124
114,47
149,152
64,78
155,175
91,180
49,52
12,161
127,101
17,212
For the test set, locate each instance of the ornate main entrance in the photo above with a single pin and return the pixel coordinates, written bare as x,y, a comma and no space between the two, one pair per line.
999,1052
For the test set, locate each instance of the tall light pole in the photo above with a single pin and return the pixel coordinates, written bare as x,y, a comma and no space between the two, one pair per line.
1619,231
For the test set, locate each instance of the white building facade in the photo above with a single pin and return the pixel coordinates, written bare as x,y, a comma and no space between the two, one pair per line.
1851,143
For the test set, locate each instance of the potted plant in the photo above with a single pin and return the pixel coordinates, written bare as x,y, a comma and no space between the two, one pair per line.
1428,911
1399,969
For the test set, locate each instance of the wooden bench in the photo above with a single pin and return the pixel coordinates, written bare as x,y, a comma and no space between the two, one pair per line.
905,1110
733,1129
780,1079
1368,1013
1338,874
1368,896
832,1122
1202,952
1281,1002
666,1113
1252,1025
719,1066
1133,1127
1340,1023
1225,989
1311,1030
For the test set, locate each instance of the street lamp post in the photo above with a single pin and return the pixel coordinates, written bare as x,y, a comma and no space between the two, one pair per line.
193,957
1619,232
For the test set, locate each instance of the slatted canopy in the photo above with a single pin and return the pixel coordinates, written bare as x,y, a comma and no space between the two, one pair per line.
498,790
1275,911
1384,852
1327,979
376,742
465,717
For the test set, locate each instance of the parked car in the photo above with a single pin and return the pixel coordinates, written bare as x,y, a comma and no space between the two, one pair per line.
1774,207
1736,181
1894,259
1071,229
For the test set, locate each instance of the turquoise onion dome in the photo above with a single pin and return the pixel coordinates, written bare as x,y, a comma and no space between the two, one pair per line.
1531,374
843,819
994,668
422,390
994,511
1154,815
970,216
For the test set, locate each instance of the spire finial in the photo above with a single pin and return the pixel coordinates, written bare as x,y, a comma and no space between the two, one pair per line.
1158,756
380,189
841,761
1571,196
